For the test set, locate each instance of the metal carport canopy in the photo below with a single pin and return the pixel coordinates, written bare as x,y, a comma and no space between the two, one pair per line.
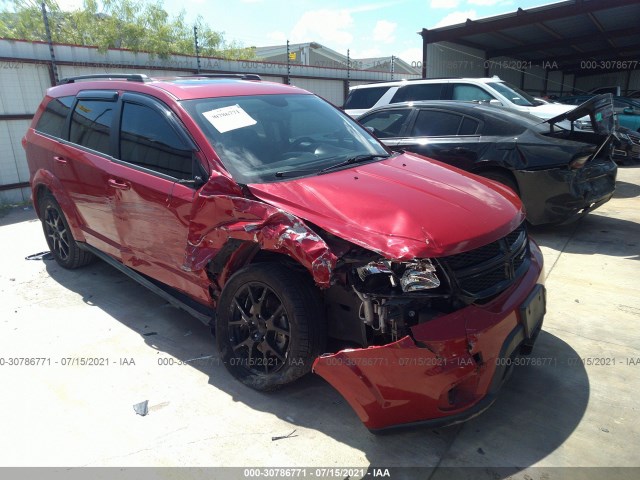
567,33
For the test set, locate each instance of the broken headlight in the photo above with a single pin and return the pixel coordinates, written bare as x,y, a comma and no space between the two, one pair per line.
420,275
411,276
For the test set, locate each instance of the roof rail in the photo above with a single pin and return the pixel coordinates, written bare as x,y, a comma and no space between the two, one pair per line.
434,78
241,76
131,77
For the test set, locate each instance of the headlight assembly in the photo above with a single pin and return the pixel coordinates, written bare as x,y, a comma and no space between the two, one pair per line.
411,276
420,275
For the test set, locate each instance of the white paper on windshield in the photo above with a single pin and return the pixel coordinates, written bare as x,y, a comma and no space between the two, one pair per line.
230,118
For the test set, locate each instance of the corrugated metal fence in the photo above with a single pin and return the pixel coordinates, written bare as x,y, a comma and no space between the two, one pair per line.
26,73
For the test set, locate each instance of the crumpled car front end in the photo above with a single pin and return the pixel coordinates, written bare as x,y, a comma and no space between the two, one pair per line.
452,345
435,286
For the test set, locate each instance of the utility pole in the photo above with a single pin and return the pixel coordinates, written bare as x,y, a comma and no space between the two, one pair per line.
393,66
195,38
288,65
348,70
54,68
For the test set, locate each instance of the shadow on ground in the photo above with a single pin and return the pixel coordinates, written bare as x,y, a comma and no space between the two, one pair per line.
592,234
626,190
536,411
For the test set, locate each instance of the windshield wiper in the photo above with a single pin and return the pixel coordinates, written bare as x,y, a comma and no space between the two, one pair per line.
293,173
347,162
352,160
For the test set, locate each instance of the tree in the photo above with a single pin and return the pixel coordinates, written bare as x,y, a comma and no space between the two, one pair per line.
129,24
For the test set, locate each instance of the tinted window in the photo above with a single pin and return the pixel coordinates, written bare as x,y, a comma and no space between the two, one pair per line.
148,140
470,93
425,91
469,126
432,123
364,97
54,116
91,124
386,124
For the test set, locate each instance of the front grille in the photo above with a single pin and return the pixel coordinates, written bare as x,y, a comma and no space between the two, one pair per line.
490,269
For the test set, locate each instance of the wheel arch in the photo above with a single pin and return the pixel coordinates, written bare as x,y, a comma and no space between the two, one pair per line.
237,254
45,182
488,168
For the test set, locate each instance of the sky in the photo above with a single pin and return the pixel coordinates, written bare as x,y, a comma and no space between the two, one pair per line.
368,28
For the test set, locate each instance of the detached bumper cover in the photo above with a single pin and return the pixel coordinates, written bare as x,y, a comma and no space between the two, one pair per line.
449,370
557,195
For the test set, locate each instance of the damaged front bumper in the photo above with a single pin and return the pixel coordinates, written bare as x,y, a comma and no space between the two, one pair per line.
559,195
450,368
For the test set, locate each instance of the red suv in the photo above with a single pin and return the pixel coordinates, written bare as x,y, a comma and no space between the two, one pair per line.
272,216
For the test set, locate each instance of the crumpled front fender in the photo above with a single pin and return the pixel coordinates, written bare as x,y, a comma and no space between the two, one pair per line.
217,218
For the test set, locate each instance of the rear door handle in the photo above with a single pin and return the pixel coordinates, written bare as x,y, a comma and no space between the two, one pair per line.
61,160
119,184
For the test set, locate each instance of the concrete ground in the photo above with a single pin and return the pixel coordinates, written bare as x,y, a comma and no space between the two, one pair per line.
578,407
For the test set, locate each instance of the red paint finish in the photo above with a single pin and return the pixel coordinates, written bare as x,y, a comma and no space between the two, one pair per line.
406,381
403,207
218,218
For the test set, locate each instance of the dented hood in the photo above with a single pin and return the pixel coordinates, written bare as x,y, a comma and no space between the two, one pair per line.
404,207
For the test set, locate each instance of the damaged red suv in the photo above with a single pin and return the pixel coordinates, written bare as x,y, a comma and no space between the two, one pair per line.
270,215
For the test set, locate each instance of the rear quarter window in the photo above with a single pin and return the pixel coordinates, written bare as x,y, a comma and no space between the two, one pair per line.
435,123
426,91
52,120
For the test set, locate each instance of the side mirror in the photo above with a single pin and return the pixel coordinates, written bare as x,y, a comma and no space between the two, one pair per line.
371,129
495,103
629,111
199,173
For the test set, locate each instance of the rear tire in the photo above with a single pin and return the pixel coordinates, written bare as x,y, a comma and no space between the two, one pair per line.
56,229
269,325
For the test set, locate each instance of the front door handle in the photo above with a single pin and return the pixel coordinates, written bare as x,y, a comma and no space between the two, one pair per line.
61,160
119,184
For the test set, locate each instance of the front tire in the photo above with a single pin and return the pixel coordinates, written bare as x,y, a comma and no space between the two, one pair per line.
58,235
269,325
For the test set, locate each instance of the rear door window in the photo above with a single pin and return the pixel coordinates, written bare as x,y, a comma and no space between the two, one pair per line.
148,140
424,91
91,124
54,117
435,123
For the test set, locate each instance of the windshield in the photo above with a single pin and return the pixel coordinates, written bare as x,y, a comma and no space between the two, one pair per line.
514,94
259,137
